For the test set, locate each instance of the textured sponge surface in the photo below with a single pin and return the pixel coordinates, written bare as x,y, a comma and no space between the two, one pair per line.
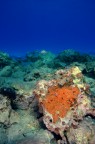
59,100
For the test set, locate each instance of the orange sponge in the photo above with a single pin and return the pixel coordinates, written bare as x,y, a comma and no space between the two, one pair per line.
58,101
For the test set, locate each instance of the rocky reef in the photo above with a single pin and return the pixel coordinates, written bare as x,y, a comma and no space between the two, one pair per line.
64,102
47,98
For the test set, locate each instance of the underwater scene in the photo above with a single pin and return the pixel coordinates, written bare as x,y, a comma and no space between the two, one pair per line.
47,98
47,72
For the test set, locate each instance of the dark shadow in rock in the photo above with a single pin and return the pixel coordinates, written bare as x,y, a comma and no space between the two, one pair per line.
57,137
10,93
90,74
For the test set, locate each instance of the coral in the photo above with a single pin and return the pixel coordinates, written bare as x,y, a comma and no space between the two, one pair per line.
63,100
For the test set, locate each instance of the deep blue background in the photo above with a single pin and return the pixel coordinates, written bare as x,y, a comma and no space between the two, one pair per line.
54,25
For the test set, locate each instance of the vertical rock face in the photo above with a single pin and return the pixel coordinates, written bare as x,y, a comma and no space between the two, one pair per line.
63,101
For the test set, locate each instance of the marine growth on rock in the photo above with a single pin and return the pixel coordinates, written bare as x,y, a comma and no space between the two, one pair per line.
64,101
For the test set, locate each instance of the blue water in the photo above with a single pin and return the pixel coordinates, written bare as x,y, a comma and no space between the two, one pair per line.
53,25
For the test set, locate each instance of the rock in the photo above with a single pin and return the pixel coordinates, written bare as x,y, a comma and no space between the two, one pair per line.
7,115
38,74
80,65
22,103
83,134
6,71
26,127
9,92
42,137
32,56
43,56
64,100
14,117
19,109
90,69
3,136
5,109
4,59
69,56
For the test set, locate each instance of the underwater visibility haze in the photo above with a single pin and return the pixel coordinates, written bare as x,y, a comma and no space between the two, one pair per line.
47,24
47,72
